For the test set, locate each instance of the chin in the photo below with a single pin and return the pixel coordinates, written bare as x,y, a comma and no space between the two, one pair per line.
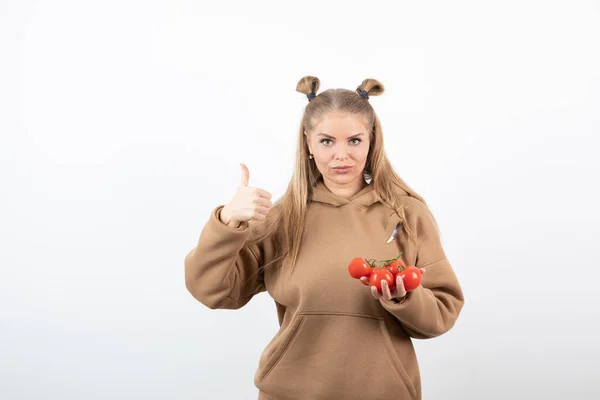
343,178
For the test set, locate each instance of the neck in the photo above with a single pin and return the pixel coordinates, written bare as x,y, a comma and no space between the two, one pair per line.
346,190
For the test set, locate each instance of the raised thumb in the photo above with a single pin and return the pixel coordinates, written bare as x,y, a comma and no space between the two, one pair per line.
245,175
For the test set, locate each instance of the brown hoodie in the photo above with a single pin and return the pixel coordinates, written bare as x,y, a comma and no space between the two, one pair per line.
336,341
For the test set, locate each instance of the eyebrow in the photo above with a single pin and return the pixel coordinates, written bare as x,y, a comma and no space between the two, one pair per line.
332,137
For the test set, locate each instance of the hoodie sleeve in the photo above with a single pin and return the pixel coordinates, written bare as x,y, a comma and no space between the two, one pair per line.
432,308
222,271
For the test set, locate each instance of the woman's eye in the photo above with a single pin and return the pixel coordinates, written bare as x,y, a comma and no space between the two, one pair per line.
329,140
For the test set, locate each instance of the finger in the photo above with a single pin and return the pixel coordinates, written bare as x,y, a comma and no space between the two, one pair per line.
263,193
257,216
364,280
386,290
400,289
245,175
423,270
260,211
375,292
262,201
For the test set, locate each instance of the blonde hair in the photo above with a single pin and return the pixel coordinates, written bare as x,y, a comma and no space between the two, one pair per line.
287,215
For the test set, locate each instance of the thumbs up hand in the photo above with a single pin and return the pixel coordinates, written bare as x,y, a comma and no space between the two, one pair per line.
248,204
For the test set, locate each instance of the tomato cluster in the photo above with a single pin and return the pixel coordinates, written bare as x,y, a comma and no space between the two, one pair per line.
385,270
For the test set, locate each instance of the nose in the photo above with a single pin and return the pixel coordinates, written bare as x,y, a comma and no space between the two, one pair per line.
341,154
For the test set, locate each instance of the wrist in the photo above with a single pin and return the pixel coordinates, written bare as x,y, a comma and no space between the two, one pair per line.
224,215
398,300
227,220
233,224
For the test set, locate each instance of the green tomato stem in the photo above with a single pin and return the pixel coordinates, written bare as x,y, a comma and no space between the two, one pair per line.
392,259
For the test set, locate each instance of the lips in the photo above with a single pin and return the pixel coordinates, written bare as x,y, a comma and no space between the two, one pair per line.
345,167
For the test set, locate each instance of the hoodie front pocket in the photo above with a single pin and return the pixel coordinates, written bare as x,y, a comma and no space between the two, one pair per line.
335,355
277,348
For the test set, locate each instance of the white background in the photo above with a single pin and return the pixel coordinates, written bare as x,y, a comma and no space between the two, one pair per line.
123,124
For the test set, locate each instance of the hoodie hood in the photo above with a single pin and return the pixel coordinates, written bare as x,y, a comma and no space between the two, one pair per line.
366,197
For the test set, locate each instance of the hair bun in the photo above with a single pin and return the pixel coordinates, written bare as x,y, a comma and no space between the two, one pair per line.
309,85
370,87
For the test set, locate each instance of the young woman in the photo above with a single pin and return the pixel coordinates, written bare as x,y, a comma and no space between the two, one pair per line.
338,339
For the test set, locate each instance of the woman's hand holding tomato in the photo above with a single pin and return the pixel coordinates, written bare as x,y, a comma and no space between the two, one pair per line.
390,291
392,280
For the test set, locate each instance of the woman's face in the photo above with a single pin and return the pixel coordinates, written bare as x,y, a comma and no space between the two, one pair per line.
340,140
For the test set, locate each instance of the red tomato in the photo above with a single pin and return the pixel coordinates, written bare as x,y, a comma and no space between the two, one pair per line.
359,267
396,266
379,275
411,277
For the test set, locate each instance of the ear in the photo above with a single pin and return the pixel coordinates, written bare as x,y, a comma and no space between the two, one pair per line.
308,142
